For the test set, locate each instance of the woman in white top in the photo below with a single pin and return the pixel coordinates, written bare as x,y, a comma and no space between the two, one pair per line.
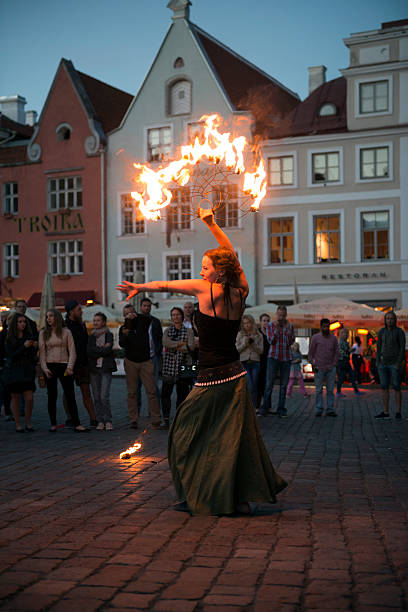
249,345
357,358
57,358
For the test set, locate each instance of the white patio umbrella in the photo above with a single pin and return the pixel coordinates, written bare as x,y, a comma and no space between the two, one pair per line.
47,299
257,311
112,316
402,317
351,314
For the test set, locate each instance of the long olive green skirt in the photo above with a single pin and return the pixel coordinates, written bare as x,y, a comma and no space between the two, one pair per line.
216,453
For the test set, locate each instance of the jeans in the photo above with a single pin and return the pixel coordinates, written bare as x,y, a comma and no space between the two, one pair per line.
272,368
182,388
329,378
156,363
67,383
389,374
344,368
357,361
101,383
252,368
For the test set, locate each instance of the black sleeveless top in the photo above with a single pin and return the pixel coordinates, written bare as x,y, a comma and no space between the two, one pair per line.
217,338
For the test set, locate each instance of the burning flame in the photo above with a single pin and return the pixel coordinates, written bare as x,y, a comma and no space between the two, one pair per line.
129,452
216,147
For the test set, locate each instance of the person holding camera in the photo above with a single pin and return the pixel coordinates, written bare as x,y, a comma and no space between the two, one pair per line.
324,355
249,345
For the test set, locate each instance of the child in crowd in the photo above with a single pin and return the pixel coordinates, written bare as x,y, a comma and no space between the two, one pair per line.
296,370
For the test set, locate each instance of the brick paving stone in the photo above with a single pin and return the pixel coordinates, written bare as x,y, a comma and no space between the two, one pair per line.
81,529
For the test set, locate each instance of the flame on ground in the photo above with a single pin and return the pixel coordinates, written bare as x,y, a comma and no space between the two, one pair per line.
214,146
130,451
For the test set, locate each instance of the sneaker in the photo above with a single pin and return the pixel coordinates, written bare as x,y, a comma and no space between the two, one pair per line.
108,426
382,415
340,394
133,425
100,426
93,423
398,416
331,413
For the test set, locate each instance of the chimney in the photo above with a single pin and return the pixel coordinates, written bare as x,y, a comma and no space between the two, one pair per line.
31,117
180,8
317,76
13,107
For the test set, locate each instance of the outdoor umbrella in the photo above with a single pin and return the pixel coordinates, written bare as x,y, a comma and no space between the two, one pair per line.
112,316
47,299
351,314
402,318
257,311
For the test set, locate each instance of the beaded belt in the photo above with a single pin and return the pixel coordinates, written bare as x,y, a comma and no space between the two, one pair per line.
220,374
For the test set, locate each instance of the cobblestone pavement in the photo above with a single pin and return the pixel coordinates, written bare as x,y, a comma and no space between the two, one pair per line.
82,530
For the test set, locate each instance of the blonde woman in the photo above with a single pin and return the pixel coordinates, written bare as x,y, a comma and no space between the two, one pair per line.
249,344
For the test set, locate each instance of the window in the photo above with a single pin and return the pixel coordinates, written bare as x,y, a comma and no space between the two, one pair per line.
178,267
281,240
158,143
133,221
10,198
374,163
179,209
375,235
373,97
65,193
63,131
326,167
327,239
226,206
178,63
281,170
133,270
65,257
327,109
10,260
180,98
194,129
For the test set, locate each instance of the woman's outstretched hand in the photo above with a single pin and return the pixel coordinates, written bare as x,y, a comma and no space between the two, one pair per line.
126,287
206,215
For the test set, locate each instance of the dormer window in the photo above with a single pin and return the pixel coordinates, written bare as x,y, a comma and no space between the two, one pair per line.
180,98
63,131
178,63
327,109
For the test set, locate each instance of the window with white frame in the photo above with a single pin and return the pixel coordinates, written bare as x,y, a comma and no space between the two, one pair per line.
133,270
326,232
373,97
133,221
158,143
179,209
281,240
225,202
10,198
374,163
178,267
65,257
180,98
10,260
326,167
64,192
281,170
375,229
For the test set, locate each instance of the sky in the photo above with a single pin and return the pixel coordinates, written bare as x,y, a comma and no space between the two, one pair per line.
116,42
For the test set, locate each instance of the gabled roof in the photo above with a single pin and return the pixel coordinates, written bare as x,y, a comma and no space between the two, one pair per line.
239,77
304,119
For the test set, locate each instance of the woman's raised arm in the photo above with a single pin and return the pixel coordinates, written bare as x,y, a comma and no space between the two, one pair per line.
192,286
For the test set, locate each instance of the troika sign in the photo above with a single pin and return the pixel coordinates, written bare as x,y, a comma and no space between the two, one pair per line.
54,222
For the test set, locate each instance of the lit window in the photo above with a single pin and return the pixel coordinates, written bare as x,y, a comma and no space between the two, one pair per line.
281,240
10,260
64,192
327,239
65,257
327,109
281,170
326,167
180,98
10,198
178,267
133,221
158,143
374,97
226,205
374,163
375,227
179,210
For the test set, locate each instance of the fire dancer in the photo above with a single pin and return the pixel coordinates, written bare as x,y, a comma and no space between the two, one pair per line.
216,454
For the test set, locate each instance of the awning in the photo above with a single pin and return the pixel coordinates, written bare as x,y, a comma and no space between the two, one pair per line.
62,297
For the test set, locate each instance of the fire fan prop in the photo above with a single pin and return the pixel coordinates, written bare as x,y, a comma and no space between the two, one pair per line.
225,154
130,451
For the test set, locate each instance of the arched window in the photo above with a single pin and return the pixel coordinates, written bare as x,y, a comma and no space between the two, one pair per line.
63,131
178,63
180,98
328,108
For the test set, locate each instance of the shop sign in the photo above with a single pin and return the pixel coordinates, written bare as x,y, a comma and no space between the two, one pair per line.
53,222
355,276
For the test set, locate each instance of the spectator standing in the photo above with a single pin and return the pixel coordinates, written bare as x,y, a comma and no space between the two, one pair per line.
264,319
134,338
81,370
178,343
249,345
188,309
280,335
357,358
156,348
323,355
57,359
19,368
390,360
344,368
101,365
296,370
20,307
